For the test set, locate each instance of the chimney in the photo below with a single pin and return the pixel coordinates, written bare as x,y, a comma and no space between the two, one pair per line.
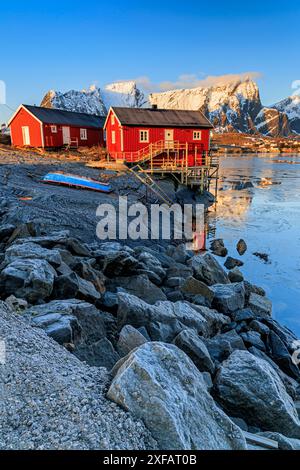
154,106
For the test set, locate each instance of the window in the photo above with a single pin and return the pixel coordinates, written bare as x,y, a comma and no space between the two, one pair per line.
83,134
197,135
113,137
53,129
144,136
112,119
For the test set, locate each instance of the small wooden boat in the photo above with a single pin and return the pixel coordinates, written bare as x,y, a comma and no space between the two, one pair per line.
76,181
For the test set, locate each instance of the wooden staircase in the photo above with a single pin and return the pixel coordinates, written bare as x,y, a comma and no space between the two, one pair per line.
146,179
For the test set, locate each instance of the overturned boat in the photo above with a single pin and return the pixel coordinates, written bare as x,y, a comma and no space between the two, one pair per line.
76,181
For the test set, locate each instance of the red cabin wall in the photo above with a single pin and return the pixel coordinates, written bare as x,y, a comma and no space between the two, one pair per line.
24,118
113,148
128,138
55,139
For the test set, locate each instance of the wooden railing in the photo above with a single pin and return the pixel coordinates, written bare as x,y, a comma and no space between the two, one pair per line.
172,148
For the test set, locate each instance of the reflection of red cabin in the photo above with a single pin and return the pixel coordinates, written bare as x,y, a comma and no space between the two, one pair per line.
35,126
133,133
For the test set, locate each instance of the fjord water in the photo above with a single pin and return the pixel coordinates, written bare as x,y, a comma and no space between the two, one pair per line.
267,217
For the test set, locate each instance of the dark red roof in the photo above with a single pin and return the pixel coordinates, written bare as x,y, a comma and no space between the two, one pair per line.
161,117
59,116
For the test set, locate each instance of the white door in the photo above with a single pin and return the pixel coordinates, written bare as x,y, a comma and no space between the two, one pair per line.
66,135
169,137
26,135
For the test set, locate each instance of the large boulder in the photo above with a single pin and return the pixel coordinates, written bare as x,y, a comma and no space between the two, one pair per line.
69,321
218,248
215,321
163,321
32,251
260,305
117,262
129,339
159,384
141,287
152,266
280,354
46,241
189,342
228,297
30,279
194,287
99,354
248,387
207,269
71,285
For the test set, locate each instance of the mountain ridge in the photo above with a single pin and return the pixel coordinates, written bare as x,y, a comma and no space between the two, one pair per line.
231,107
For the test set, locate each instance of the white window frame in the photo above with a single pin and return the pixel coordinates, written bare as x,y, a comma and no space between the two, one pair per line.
83,134
113,137
197,135
144,136
53,129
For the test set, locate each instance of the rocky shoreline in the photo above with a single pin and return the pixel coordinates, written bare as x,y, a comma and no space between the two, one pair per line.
117,347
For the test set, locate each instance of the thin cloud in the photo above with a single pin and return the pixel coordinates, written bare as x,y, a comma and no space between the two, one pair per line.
192,81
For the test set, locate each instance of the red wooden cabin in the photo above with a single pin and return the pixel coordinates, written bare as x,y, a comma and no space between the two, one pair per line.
132,134
35,126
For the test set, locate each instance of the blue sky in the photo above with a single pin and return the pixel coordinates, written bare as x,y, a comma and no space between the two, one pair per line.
72,44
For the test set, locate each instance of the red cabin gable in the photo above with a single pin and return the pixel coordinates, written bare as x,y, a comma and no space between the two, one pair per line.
35,126
132,132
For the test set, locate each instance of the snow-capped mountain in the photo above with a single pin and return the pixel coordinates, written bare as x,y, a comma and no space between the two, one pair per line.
96,100
234,106
291,107
231,107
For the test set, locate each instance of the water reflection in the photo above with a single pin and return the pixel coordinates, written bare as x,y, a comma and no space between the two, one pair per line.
266,213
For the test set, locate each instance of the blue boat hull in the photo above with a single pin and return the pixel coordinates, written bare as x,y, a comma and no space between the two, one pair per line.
76,181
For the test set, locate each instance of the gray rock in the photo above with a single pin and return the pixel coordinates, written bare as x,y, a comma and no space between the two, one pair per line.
86,270
58,313
215,321
163,321
284,443
47,241
253,338
179,270
208,381
250,388
281,356
72,286
180,254
195,287
218,248
29,279
18,305
174,281
141,287
175,295
241,423
219,348
6,230
98,354
261,306
291,385
189,342
259,327
32,251
235,275
207,269
118,263
144,332
159,384
228,297
153,266
129,339
241,247
286,335
235,340
252,288
231,263
243,315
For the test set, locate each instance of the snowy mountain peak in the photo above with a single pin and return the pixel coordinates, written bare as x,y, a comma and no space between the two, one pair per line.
291,107
95,100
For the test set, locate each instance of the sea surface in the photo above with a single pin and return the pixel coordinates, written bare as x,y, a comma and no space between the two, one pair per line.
267,217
